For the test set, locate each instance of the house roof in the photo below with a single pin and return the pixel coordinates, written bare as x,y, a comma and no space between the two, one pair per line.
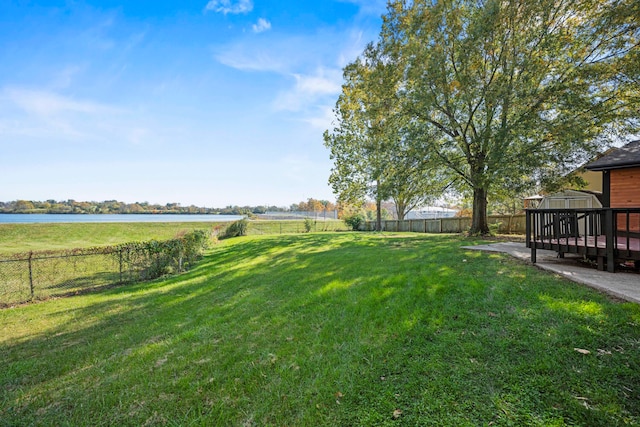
624,157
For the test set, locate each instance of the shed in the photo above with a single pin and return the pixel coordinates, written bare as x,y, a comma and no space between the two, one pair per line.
570,199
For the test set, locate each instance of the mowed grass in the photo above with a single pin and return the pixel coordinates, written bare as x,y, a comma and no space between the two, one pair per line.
328,329
38,237
57,236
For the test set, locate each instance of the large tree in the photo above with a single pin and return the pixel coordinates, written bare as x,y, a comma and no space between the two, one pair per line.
372,156
502,93
362,139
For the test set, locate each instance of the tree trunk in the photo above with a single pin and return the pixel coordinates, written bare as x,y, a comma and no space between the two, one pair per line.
479,223
401,209
378,214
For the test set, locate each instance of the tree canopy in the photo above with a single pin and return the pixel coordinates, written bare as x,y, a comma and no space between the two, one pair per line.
372,155
505,95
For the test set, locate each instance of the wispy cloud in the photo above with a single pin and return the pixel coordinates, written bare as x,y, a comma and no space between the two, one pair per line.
43,114
48,104
254,60
63,78
369,6
230,6
309,89
313,88
322,118
261,25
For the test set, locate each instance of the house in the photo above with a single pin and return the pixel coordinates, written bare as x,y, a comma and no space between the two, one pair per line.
620,176
610,234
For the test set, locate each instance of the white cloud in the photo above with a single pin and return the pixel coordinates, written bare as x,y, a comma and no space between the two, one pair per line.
323,119
65,77
47,104
371,7
261,25
230,6
273,54
308,89
47,116
245,61
289,54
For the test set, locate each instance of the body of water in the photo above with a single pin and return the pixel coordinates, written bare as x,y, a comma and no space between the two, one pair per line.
52,218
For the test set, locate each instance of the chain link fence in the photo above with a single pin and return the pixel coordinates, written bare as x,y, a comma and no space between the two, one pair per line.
39,275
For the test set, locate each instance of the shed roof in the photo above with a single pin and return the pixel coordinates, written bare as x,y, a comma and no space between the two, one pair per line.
624,157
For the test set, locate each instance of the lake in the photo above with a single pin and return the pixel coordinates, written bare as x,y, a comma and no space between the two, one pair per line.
52,218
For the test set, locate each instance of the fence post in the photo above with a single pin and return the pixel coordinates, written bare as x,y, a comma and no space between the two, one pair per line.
120,263
31,275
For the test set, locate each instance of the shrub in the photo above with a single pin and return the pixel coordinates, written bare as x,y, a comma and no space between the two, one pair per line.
354,221
308,225
493,228
238,228
158,258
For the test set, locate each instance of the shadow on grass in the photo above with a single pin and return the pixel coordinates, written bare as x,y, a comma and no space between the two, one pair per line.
330,329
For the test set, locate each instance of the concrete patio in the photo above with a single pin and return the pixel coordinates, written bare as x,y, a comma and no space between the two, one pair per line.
623,285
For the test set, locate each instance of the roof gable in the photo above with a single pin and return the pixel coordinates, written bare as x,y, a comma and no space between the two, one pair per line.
624,157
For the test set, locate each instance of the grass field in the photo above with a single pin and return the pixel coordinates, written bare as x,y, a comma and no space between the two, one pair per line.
328,329
37,237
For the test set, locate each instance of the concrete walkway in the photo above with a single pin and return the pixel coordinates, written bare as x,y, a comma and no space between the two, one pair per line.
625,286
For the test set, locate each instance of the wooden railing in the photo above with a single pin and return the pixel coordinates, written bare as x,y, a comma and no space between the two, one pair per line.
607,234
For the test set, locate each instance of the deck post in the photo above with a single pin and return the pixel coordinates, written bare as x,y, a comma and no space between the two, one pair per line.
530,244
609,227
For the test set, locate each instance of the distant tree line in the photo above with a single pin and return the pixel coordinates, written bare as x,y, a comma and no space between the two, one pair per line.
116,207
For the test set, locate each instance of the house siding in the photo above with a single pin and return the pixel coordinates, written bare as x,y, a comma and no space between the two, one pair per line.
625,188
625,193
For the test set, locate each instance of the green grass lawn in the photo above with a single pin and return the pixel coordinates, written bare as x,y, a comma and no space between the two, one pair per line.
37,237
328,329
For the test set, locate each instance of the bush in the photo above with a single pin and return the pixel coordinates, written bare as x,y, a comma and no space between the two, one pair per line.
238,228
308,225
354,221
493,228
158,258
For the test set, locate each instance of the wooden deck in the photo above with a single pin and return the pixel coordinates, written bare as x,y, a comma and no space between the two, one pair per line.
606,235
622,244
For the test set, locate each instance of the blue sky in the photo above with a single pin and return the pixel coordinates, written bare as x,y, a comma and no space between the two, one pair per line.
211,103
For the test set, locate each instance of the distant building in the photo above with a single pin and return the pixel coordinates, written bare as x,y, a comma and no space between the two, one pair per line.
431,212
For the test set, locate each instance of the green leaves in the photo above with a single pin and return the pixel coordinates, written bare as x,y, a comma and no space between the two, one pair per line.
369,146
503,93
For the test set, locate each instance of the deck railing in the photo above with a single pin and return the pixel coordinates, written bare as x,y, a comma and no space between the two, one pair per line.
607,234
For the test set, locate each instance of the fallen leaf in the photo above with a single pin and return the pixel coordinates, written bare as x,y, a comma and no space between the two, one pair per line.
492,314
339,395
397,414
582,350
